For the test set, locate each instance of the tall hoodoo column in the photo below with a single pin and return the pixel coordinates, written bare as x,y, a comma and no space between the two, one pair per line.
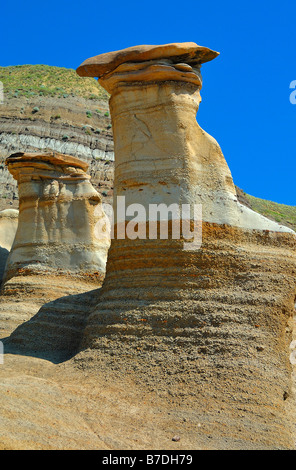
213,323
58,211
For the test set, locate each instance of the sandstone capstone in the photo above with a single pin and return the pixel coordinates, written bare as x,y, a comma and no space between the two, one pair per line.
189,53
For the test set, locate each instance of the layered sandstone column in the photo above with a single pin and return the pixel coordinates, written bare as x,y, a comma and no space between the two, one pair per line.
210,326
8,227
58,212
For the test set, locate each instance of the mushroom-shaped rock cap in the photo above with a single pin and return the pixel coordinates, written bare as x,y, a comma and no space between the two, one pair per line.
187,52
53,158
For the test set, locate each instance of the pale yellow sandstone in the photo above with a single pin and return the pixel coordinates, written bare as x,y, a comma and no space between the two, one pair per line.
58,212
8,227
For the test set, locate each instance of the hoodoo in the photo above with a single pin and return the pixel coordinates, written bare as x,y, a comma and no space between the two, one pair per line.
56,257
209,323
58,212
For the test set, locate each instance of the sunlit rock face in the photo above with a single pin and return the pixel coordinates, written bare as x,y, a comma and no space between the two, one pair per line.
210,323
8,227
58,212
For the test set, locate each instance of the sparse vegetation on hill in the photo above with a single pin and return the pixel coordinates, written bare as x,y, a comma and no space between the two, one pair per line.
45,80
281,213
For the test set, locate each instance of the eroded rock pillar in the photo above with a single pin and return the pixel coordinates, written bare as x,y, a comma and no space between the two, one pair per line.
211,326
58,212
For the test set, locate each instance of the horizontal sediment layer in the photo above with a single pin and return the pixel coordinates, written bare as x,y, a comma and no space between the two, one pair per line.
212,323
44,315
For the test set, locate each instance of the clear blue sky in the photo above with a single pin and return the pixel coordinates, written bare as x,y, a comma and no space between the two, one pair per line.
245,105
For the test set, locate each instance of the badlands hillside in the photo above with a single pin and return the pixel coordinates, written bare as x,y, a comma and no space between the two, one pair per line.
52,108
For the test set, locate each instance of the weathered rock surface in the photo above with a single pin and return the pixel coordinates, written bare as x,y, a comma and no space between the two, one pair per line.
8,227
44,315
59,209
55,258
211,325
189,52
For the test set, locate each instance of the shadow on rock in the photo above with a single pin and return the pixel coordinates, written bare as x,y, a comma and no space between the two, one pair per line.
55,332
